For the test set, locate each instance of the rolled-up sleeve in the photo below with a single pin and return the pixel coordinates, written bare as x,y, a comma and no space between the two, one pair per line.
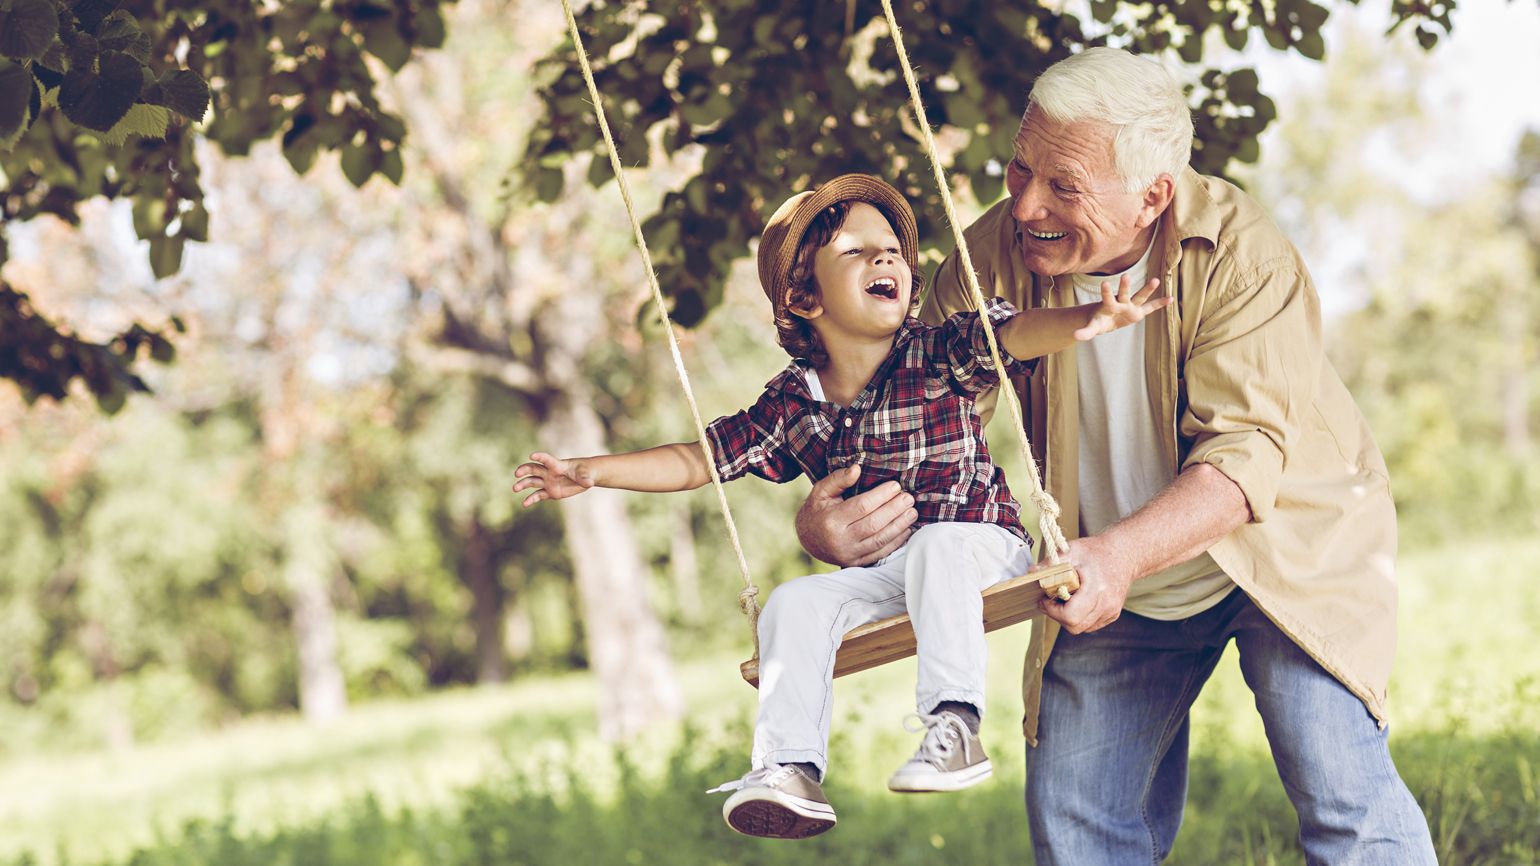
962,341
1253,369
754,442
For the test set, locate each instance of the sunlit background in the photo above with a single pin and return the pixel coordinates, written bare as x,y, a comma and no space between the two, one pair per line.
285,609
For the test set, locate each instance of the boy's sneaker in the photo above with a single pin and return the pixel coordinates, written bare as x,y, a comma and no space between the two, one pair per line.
950,757
777,802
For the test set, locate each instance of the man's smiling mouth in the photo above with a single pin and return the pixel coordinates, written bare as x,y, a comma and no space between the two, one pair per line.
1046,236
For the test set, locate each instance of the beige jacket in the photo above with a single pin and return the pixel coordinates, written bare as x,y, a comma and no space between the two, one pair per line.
1239,380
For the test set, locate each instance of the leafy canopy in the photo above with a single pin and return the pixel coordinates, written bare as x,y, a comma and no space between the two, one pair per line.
782,95
88,93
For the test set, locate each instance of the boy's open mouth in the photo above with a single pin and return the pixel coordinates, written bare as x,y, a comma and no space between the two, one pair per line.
884,287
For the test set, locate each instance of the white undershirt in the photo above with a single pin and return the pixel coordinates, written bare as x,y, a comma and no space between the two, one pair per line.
1122,463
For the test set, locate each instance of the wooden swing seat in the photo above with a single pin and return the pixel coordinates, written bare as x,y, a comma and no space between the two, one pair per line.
1005,603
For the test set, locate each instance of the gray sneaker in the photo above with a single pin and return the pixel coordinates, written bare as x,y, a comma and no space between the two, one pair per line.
950,757
776,802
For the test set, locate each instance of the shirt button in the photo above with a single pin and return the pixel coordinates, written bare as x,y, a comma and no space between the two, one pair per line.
847,422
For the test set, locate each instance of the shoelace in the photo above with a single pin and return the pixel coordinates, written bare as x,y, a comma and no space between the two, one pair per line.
769,776
943,732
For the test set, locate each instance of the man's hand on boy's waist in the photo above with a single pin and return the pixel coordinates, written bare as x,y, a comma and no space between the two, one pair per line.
855,531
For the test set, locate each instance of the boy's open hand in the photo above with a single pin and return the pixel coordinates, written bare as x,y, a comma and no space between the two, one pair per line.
1118,309
551,478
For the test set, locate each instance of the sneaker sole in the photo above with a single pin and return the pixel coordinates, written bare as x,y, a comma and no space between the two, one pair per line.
777,816
956,780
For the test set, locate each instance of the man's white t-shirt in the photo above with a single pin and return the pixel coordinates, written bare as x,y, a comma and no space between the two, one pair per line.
1122,464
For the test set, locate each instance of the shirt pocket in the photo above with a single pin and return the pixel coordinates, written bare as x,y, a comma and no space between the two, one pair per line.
893,440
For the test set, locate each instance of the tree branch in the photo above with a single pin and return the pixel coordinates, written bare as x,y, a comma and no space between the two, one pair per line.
448,359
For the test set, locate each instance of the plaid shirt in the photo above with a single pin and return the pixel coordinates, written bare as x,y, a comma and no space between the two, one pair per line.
914,423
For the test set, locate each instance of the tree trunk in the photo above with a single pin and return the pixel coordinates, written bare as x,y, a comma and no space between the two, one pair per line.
626,645
308,565
684,564
1515,325
479,570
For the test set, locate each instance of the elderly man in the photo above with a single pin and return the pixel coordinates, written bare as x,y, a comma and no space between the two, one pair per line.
1222,482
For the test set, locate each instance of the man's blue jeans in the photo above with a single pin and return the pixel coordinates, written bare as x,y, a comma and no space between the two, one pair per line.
1107,781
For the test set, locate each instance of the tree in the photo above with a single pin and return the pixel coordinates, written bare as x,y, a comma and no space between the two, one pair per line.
778,95
529,306
300,70
1438,343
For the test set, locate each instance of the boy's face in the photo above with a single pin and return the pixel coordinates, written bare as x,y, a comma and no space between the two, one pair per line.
1069,203
863,282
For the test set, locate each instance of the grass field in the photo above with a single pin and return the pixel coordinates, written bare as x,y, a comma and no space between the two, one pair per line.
515,775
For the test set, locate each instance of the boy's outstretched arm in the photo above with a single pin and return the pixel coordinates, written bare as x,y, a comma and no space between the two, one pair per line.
663,469
1045,330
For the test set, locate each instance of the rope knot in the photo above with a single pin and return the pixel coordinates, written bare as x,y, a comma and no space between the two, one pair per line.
748,599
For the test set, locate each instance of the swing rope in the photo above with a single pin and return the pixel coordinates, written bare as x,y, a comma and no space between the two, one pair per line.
748,597
1054,545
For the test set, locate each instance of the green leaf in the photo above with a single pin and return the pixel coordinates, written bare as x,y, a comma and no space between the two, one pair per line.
111,399
90,13
147,121
1312,45
1241,85
150,217
359,162
1249,150
600,171
429,23
99,101
1191,49
548,183
166,255
987,187
28,28
195,223
161,349
16,85
120,32
185,92
1235,37
392,166
383,39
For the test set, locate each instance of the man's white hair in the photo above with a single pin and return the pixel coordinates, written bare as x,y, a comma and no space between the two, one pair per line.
1138,97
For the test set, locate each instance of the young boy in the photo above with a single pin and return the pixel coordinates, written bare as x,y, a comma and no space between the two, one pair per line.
868,385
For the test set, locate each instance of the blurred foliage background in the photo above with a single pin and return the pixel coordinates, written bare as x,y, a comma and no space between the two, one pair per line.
284,592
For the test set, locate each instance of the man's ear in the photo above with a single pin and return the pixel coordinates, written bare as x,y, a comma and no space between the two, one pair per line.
1157,197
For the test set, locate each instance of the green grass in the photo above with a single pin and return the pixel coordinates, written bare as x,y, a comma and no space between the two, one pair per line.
514,774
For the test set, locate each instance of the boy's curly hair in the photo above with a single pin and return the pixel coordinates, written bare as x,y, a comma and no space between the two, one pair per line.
796,334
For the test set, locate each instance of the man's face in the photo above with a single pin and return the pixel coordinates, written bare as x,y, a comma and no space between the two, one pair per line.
1068,202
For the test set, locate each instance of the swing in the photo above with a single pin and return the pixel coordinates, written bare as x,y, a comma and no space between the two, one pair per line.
1006,603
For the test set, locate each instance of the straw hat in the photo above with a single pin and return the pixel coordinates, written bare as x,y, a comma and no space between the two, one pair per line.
784,231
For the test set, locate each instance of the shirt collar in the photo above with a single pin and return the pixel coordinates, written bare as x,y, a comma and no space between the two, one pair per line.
792,381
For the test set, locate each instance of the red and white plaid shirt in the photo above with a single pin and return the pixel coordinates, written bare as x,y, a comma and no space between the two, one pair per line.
914,423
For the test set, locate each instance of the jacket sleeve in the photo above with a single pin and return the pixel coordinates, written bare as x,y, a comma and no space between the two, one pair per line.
1251,372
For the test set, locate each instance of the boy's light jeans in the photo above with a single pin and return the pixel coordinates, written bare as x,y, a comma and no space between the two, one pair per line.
1108,779
936,578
